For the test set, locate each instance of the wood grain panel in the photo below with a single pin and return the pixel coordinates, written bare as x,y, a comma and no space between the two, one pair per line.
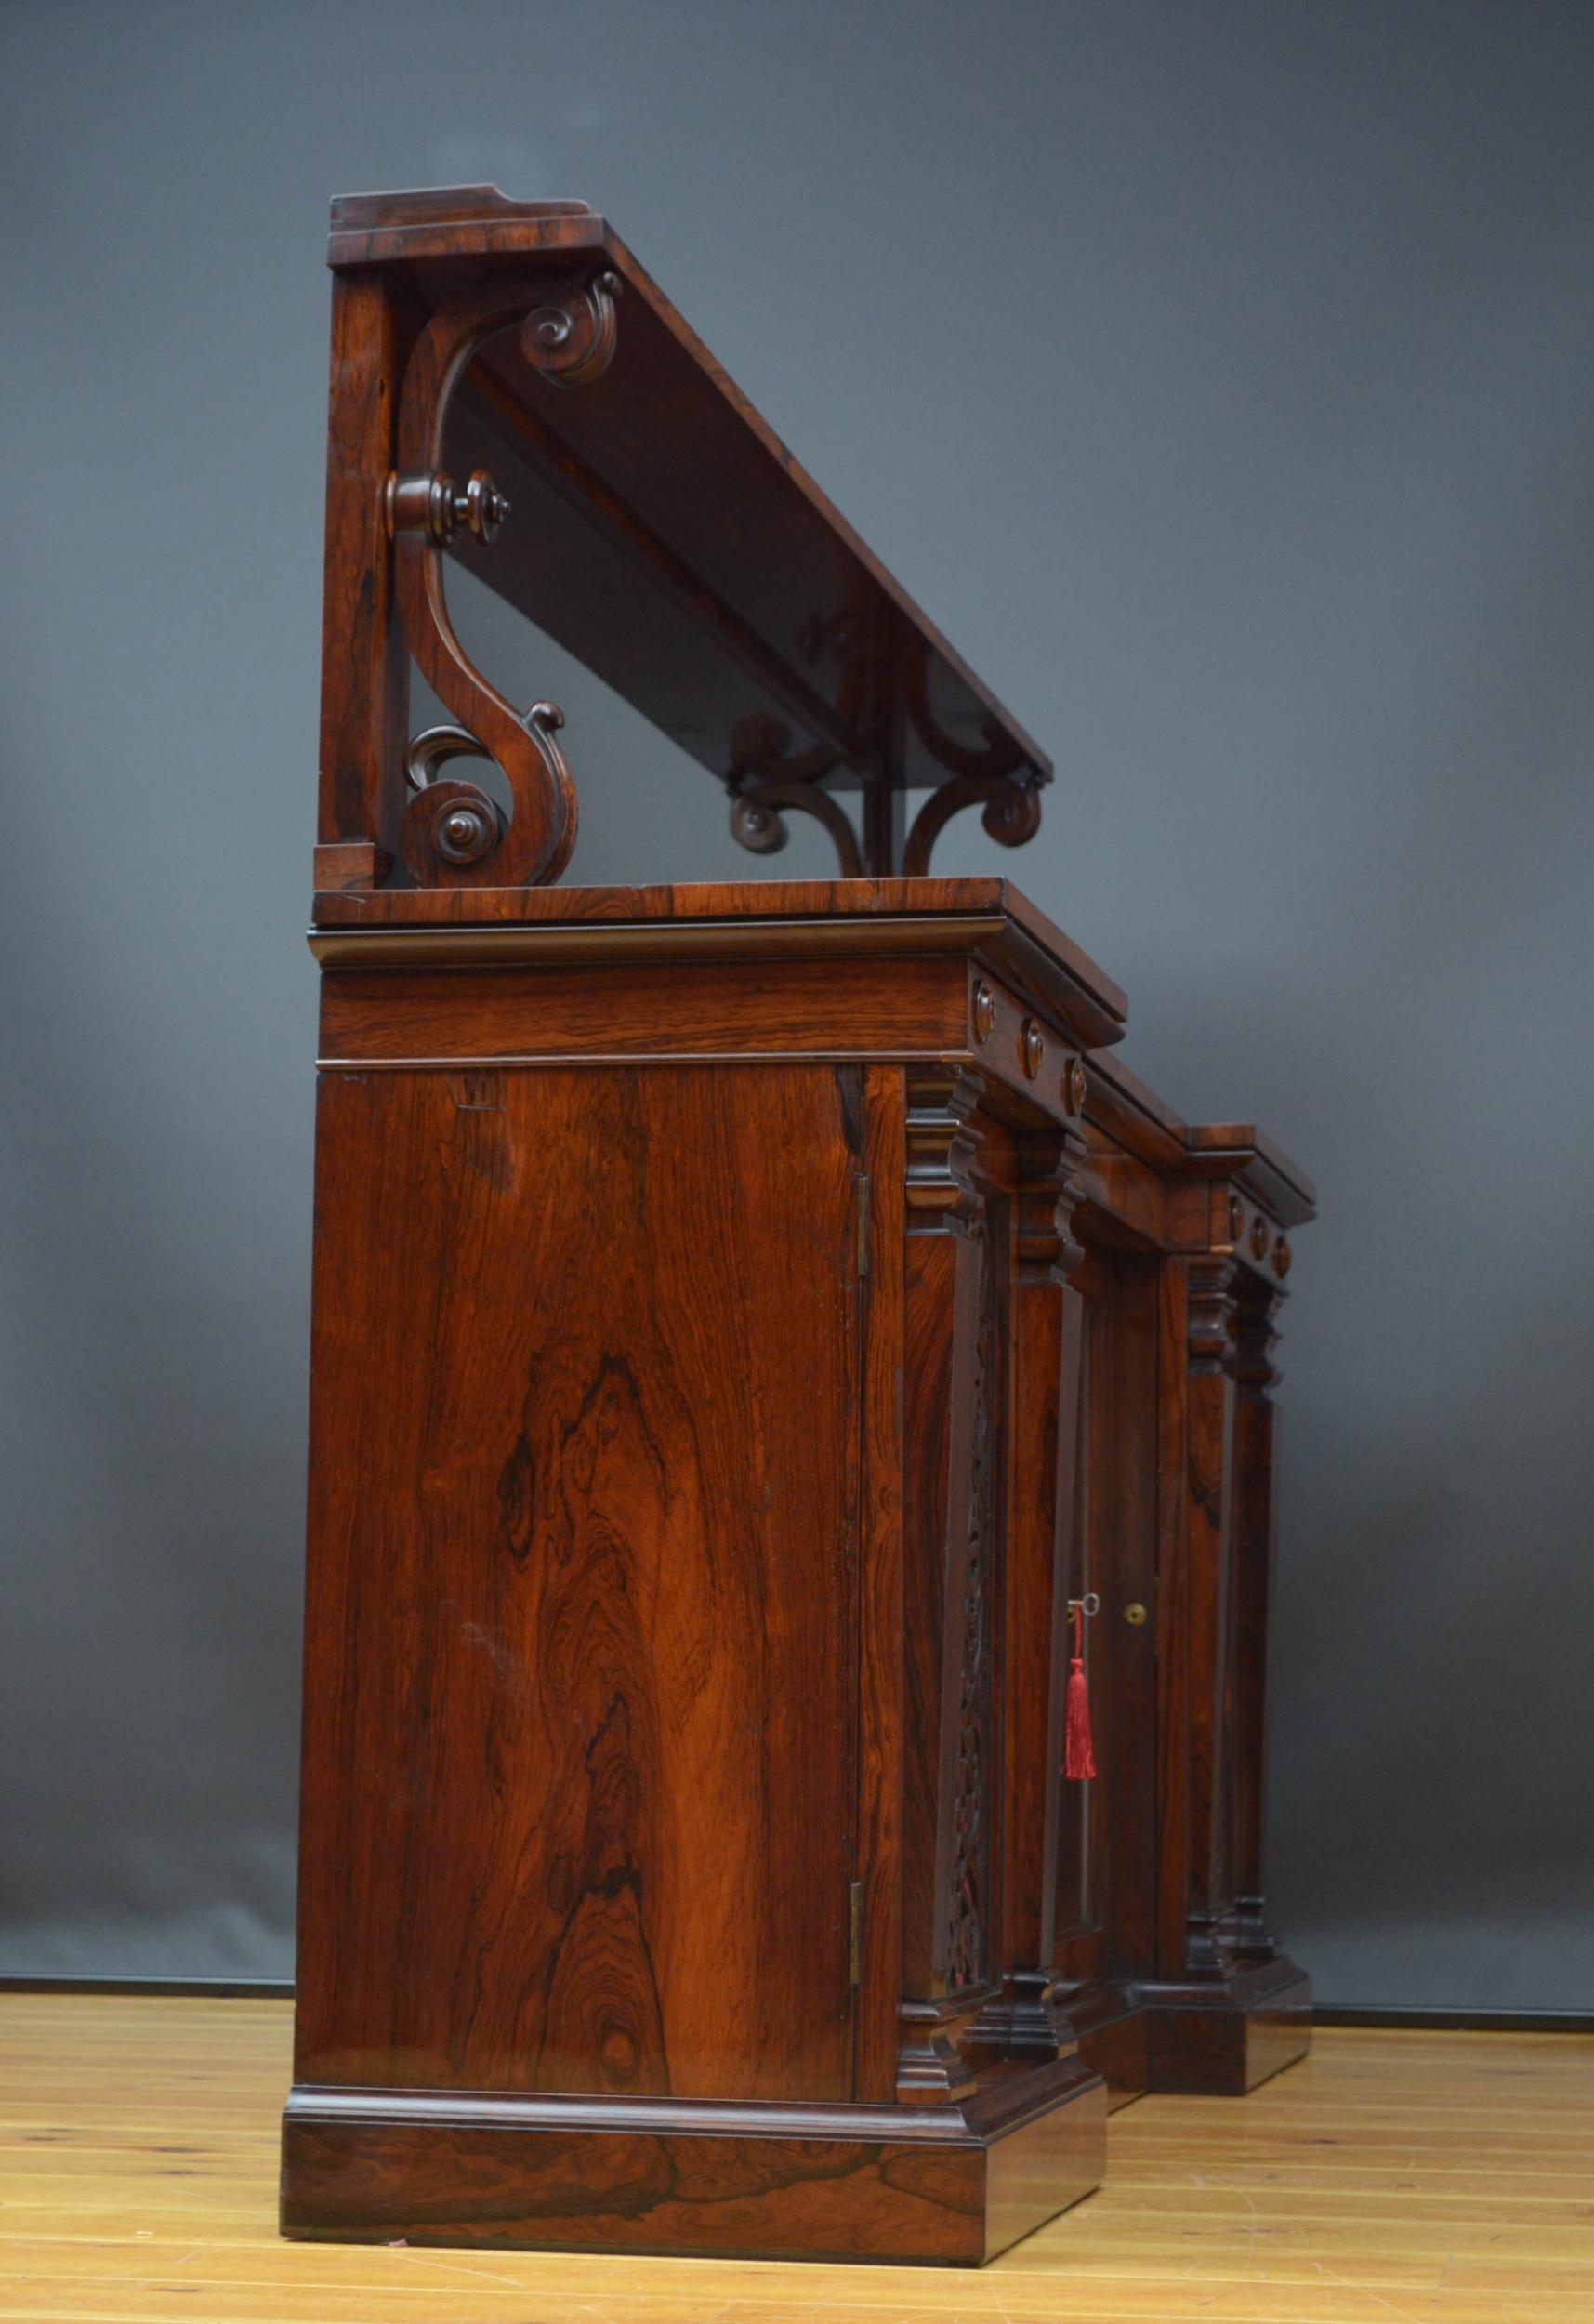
581,1547
364,670
1123,1451
834,1008
639,2191
882,1612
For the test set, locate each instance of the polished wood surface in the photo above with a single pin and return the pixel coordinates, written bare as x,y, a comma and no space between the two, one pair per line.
583,1671
662,1880
1393,2178
627,498
732,1362
763,1345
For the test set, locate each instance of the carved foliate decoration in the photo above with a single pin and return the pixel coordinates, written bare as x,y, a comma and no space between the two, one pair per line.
453,833
969,1901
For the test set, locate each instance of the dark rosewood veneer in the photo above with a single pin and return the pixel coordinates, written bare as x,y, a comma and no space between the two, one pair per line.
747,1318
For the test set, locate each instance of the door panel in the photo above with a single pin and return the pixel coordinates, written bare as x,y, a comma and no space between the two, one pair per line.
1106,1888
579,1718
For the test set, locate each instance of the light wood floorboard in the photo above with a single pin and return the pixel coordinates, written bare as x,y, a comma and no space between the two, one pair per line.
1429,2178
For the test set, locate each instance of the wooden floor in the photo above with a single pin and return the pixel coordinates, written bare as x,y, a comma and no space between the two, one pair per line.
1394,2175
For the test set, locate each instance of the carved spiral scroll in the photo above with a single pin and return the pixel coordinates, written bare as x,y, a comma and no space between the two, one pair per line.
996,777
757,820
1013,814
570,339
768,780
457,824
453,834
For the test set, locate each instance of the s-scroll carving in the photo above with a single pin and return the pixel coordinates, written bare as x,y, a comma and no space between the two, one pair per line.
453,833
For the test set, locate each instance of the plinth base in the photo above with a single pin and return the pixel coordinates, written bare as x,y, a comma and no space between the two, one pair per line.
948,2184
1225,2039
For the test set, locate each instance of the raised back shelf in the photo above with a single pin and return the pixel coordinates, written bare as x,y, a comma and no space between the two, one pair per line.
655,527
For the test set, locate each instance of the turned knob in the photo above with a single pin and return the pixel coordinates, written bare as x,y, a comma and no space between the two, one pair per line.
435,505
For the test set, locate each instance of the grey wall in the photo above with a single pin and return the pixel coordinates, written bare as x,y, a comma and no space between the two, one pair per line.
1218,375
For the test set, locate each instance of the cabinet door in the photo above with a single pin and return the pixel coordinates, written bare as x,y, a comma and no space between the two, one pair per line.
580,1682
1107,1857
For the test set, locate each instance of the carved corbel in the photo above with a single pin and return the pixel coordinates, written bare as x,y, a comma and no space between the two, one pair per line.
1050,1187
765,786
995,778
1013,814
1256,1339
941,1146
453,833
1212,1306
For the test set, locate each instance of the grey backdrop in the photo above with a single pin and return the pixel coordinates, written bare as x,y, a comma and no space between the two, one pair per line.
1218,376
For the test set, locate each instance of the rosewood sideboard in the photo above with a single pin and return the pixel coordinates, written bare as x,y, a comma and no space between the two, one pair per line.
791,1492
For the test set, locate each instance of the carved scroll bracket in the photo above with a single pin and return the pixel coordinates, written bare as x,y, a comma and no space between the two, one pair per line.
1013,814
757,813
453,833
995,777
767,782
766,785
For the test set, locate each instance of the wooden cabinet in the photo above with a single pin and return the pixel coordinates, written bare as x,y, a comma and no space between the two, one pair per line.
757,1328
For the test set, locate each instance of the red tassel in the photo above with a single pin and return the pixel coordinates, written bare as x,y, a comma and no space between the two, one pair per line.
1078,1754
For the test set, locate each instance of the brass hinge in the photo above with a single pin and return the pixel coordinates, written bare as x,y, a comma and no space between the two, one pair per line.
862,1184
855,1934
